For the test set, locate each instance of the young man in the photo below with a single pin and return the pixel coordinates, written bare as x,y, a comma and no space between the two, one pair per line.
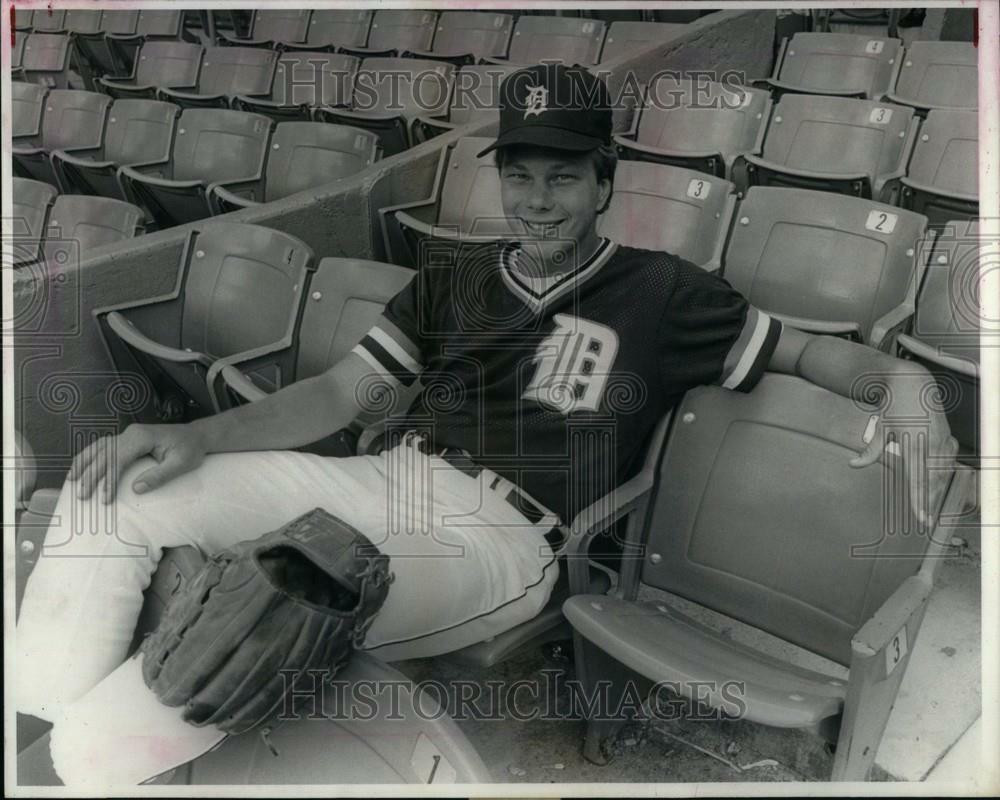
546,361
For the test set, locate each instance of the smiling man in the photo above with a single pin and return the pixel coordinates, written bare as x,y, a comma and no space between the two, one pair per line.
546,361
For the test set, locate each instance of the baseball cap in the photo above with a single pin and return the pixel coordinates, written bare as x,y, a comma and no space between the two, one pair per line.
553,105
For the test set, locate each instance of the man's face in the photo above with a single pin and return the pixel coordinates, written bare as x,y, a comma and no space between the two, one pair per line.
552,197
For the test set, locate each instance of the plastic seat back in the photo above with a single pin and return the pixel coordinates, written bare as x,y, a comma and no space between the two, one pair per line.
281,24
758,515
120,22
339,27
83,20
48,20
470,192
30,205
238,268
23,18
347,296
214,144
17,50
308,154
73,118
46,59
661,207
837,62
477,93
823,257
314,79
407,87
161,24
139,131
168,64
626,37
484,34
80,223
568,39
237,70
842,136
402,29
943,178
686,116
939,75
27,103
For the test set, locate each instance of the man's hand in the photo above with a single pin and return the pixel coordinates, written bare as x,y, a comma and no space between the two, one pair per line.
177,448
913,431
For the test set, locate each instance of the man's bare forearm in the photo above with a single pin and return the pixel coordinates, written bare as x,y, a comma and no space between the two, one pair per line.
296,415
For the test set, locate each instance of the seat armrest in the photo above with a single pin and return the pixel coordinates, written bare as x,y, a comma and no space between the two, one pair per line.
892,97
888,327
458,59
240,41
27,151
928,189
133,337
806,173
240,384
926,352
64,155
822,327
247,189
368,52
177,96
495,60
894,614
220,197
787,88
630,144
153,180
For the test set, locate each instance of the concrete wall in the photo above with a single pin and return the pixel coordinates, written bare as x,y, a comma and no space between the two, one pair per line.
65,382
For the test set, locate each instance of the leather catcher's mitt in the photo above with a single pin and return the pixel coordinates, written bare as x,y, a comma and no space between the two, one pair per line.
234,640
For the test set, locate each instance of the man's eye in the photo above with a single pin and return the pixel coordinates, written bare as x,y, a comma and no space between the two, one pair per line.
516,176
564,178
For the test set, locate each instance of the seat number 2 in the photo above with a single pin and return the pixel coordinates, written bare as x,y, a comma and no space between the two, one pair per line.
881,221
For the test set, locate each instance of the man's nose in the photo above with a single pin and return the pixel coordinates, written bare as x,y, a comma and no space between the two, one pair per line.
539,197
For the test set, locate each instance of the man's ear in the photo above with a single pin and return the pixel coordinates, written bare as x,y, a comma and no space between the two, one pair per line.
603,195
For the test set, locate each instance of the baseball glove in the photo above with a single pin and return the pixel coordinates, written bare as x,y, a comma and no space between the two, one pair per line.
233,641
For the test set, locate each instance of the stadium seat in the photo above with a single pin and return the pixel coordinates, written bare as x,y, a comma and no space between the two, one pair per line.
662,207
48,20
464,205
753,512
464,37
625,38
139,133
386,94
476,98
395,31
46,59
23,19
302,155
212,145
17,56
225,73
942,181
79,223
836,144
827,263
270,26
151,25
315,78
546,38
27,103
330,29
842,64
945,332
73,121
225,269
700,125
346,297
95,48
158,64
31,201
938,75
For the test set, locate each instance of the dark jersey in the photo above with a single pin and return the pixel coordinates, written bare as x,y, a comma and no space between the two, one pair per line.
558,390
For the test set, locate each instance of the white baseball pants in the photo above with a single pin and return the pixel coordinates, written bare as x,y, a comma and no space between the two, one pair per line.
468,566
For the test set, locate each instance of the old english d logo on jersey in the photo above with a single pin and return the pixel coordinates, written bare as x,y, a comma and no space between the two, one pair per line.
574,364
537,101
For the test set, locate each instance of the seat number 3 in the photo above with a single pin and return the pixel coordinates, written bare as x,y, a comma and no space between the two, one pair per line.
895,652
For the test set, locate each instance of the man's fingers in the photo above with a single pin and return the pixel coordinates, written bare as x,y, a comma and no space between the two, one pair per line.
115,465
83,459
171,466
91,476
869,455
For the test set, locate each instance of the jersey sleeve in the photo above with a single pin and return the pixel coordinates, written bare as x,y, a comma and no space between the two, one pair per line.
394,346
709,334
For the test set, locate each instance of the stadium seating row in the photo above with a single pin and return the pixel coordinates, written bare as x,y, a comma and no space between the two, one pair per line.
793,253
61,229
179,166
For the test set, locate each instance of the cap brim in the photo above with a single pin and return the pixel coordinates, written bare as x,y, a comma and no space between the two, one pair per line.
542,136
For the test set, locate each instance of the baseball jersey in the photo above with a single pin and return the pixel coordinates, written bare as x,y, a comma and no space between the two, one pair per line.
558,389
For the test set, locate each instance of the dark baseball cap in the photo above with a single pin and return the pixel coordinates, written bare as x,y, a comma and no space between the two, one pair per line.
553,105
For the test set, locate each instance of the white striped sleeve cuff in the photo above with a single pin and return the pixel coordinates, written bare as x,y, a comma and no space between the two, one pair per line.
751,352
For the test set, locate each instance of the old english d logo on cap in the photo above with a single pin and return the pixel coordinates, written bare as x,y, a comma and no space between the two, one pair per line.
556,107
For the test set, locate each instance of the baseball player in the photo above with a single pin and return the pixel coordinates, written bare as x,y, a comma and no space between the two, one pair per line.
546,361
